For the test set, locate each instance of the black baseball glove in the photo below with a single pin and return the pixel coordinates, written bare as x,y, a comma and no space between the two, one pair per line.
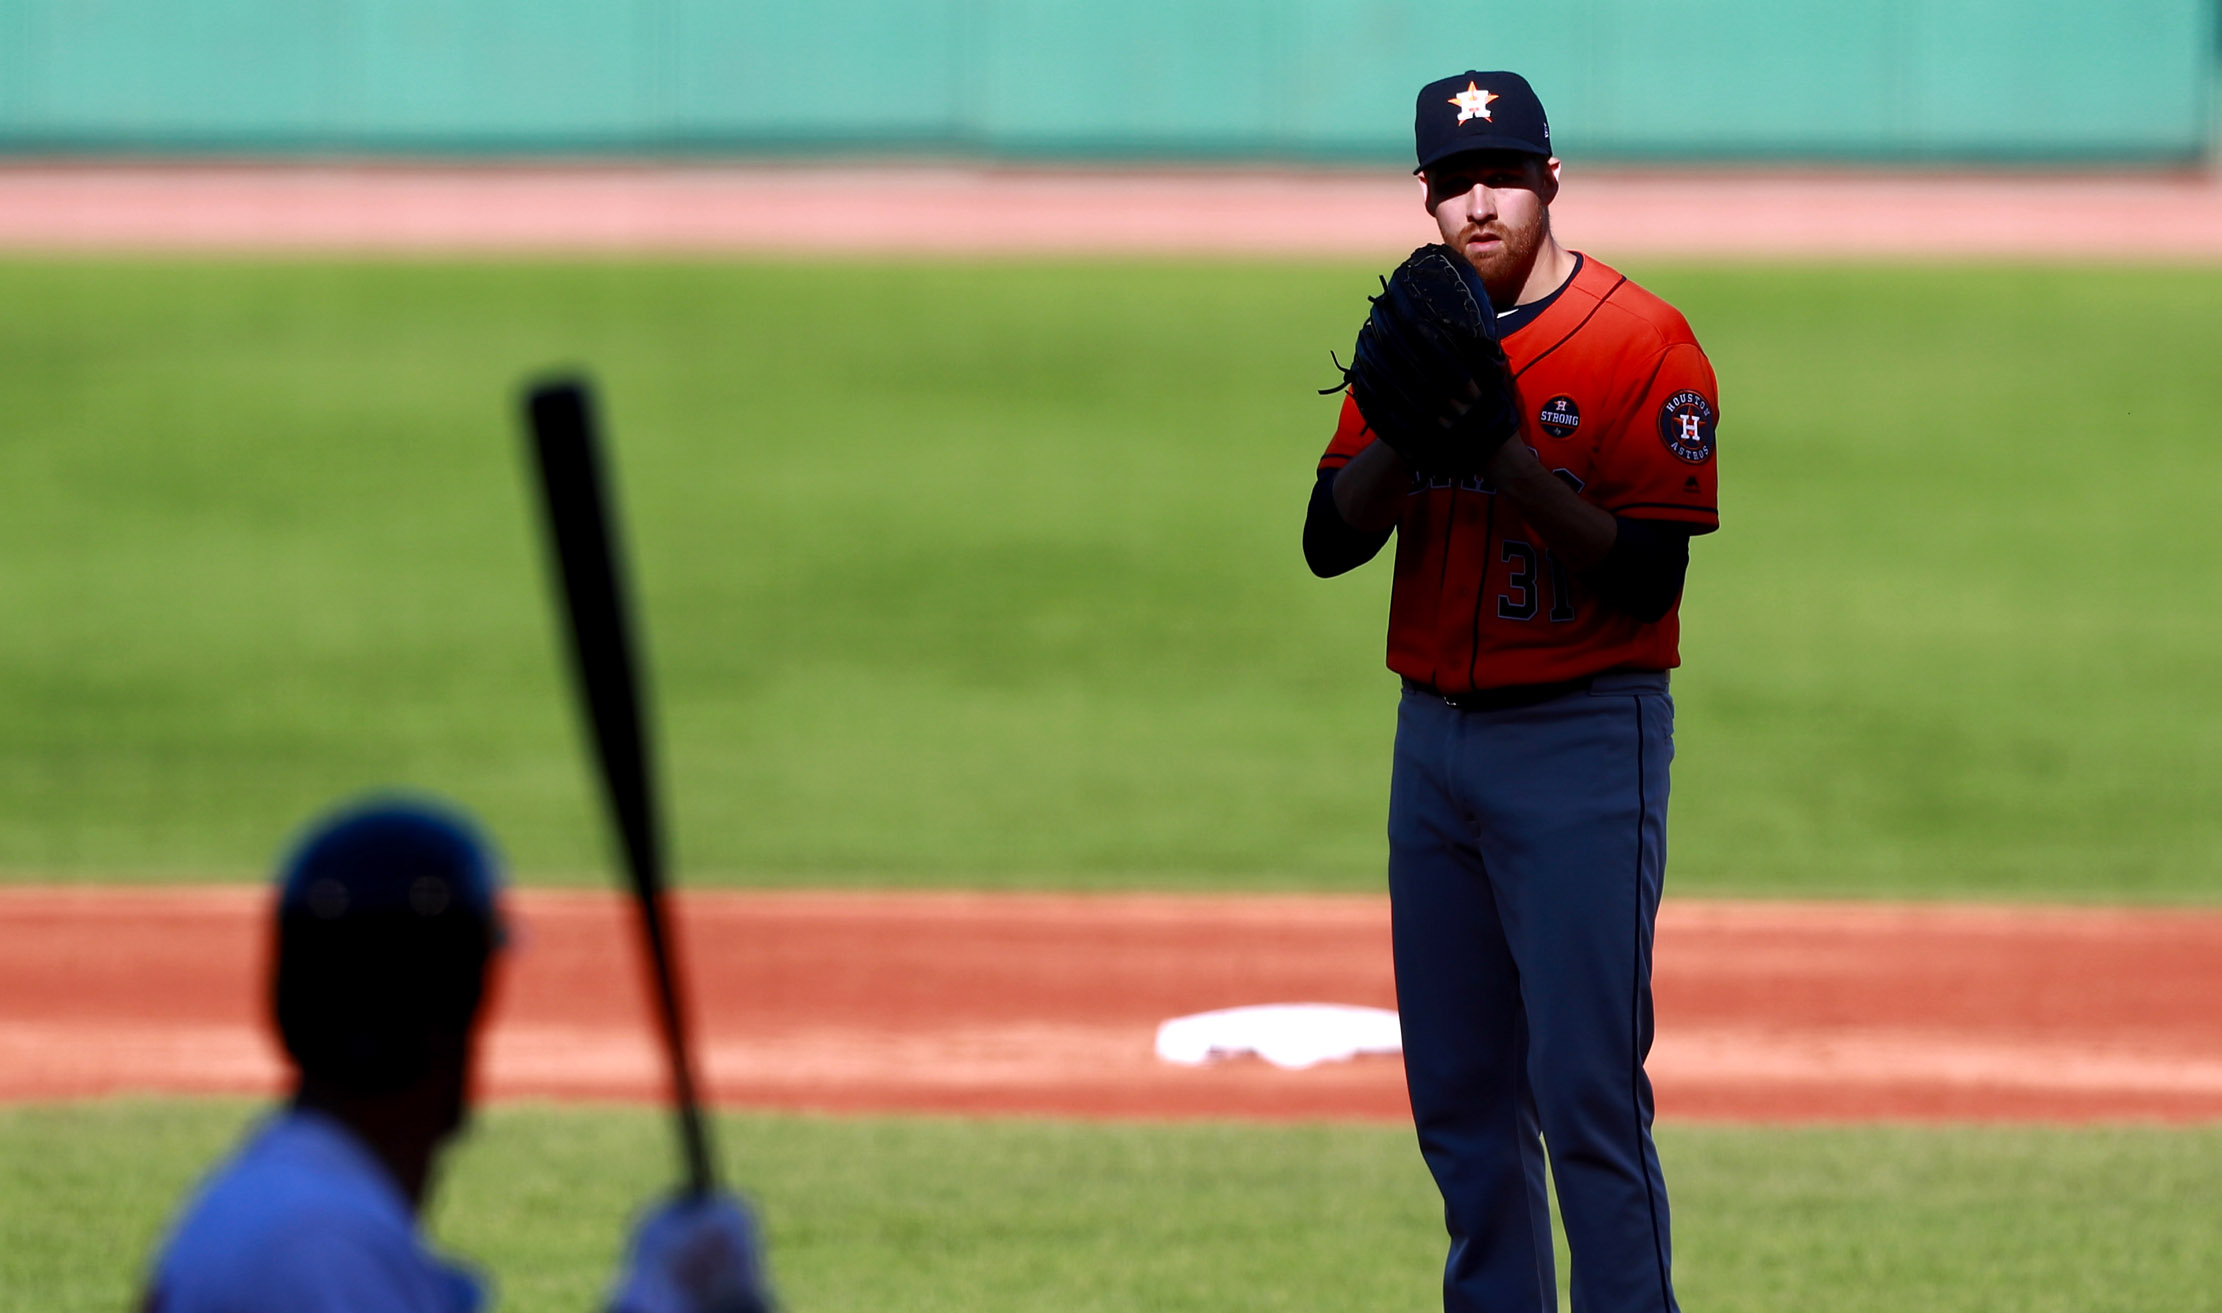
1428,373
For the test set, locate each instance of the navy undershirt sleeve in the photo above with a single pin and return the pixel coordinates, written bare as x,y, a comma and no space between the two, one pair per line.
1642,574
1331,545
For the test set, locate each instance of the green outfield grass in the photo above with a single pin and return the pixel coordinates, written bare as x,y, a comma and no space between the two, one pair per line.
981,1217
989,575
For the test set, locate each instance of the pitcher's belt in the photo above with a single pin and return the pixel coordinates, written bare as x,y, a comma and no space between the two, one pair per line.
1527,695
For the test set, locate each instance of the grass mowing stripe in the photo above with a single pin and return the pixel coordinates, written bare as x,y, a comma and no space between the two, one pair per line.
988,574
938,1214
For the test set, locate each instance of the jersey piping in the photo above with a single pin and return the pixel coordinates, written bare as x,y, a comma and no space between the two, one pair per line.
1481,591
1489,552
1606,296
1520,316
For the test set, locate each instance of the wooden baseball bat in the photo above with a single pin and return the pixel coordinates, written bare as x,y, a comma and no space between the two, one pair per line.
582,536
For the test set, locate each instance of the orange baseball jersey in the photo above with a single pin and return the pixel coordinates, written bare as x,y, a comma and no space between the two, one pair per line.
1619,401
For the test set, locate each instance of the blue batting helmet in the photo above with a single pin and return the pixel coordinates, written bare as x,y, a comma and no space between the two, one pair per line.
387,915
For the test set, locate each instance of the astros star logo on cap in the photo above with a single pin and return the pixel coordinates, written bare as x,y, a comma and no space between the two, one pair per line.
1473,103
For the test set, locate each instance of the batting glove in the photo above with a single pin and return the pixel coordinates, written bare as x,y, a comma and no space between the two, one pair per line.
694,1255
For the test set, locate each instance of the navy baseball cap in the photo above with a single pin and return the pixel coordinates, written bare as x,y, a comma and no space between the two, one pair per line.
1478,111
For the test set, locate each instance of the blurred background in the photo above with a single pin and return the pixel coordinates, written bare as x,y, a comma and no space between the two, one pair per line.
2081,81
962,357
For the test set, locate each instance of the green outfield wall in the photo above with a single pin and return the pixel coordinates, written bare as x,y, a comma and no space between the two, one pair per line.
2041,80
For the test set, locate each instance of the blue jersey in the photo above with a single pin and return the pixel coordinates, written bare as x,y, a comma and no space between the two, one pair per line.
304,1219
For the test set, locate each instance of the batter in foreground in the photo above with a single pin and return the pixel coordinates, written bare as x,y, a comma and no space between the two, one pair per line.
1543,504
388,925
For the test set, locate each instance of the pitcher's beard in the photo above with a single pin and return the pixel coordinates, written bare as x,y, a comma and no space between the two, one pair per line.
1504,264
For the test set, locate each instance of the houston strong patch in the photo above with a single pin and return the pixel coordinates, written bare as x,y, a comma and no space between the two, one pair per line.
1560,417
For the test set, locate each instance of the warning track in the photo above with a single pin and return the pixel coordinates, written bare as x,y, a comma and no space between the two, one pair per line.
1047,1004
899,210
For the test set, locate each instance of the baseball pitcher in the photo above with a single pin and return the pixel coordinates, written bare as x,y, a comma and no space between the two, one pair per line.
1537,432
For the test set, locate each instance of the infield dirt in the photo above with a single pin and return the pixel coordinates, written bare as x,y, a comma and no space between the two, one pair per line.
1047,1004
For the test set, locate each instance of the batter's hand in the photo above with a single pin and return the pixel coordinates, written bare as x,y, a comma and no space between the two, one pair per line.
695,1255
